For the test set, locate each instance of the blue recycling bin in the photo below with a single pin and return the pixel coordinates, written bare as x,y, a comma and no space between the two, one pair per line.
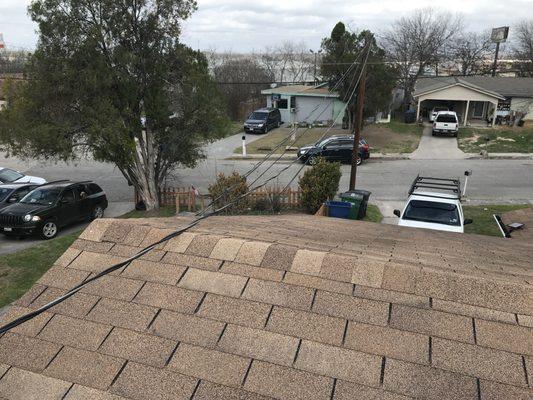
339,209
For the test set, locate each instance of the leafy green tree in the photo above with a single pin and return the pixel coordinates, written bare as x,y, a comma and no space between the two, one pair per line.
110,78
340,50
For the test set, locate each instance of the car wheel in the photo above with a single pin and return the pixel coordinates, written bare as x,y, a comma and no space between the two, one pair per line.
312,160
49,230
98,212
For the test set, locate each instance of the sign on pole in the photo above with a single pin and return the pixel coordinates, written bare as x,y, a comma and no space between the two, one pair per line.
499,35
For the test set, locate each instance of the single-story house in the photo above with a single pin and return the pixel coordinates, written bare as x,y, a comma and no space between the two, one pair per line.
287,307
476,97
301,103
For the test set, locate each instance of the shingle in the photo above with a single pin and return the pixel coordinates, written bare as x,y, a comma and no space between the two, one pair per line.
187,328
279,257
427,383
352,391
136,236
114,287
87,245
517,339
63,278
529,370
307,262
26,385
218,367
337,362
318,283
141,382
212,391
226,249
3,369
119,313
400,277
391,296
279,294
84,367
116,232
306,325
130,345
259,344
169,297
96,229
79,392
473,311
478,361
76,306
180,243
252,253
94,262
236,311
154,272
287,383
28,328
368,272
352,308
525,320
213,282
25,352
388,342
434,323
68,256
337,267
189,260
252,272
203,245
155,235
75,332
497,391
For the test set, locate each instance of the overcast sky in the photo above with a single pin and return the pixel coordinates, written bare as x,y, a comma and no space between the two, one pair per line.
244,25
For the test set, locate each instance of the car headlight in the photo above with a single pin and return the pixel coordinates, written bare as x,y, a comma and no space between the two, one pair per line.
27,218
261,125
35,218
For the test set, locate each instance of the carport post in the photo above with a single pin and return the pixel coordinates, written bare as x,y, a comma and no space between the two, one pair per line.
418,110
494,114
466,112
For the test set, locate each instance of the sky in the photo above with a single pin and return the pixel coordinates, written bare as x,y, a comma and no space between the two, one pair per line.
243,25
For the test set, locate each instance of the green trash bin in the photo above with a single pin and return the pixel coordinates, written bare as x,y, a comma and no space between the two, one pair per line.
356,199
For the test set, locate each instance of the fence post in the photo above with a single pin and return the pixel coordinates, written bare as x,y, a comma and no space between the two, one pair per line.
177,203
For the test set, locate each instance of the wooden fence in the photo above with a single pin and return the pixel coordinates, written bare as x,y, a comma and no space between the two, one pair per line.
188,199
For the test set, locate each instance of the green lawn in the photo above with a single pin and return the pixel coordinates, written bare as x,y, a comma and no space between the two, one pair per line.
484,223
163,212
502,140
373,214
20,270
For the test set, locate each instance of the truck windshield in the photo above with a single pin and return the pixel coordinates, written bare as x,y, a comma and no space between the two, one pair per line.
430,211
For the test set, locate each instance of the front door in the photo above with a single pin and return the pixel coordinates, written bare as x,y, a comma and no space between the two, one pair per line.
478,109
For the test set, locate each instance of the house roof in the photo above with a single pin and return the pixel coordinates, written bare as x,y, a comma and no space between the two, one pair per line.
287,307
302,90
499,86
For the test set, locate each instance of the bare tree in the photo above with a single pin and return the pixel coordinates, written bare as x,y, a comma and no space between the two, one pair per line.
418,42
470,50
288,62
523,47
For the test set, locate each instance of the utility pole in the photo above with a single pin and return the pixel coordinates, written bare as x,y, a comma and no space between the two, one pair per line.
359,122
316,53
495,65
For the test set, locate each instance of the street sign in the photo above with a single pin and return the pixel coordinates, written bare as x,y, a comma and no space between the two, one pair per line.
499,35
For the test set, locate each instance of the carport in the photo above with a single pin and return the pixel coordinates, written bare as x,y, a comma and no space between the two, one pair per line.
469,101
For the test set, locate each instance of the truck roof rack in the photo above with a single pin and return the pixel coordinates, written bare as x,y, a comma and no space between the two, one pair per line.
443,185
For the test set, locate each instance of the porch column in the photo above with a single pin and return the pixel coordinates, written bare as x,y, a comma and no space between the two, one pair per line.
466,112
418,110
494,114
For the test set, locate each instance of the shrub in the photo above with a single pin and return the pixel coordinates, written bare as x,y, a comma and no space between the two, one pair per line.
227,189
319,184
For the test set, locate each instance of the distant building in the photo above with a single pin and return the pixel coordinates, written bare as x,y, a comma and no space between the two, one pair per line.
301,103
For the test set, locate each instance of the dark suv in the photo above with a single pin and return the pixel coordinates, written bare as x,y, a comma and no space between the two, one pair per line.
262,120
334,148
11,193
51,206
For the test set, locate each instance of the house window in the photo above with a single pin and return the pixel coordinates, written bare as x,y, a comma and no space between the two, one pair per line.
283,104
293,101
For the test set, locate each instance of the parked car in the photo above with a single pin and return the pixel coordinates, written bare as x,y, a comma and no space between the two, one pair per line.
263,120
8,175
12,192
334,148
435,111
52,206
438,208
446,122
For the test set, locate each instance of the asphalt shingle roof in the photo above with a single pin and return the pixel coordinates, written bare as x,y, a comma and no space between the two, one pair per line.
286,307
504,86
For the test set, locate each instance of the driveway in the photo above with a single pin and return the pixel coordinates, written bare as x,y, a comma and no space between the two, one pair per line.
224,148
437,147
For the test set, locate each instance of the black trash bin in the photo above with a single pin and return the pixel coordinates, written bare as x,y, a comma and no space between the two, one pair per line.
360,197
409,117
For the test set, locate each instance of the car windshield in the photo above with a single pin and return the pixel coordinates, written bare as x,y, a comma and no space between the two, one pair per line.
8,175
43,196
322,142
446,118
4,192
261,116
431,211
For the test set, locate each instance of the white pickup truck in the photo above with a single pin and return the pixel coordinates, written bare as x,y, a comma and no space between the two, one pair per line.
446,122
438,208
